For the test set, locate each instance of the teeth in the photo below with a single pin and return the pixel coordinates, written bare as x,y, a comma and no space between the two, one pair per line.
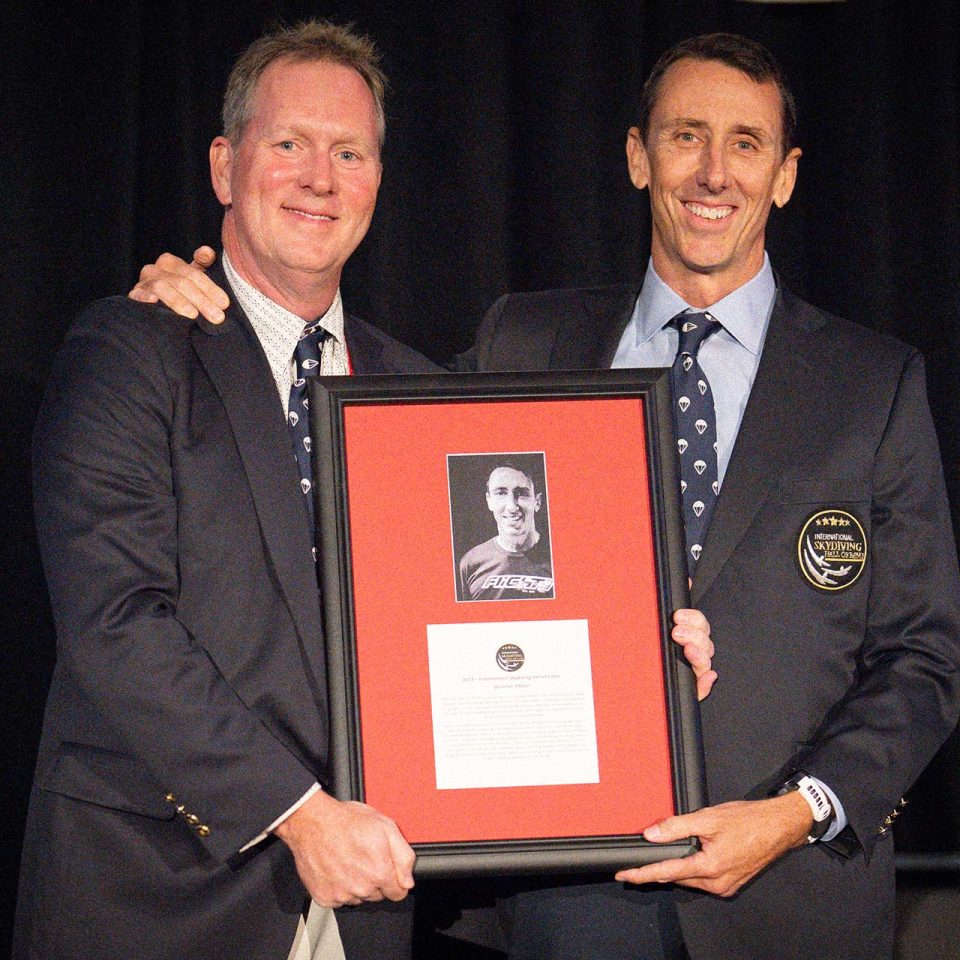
709,213
312,216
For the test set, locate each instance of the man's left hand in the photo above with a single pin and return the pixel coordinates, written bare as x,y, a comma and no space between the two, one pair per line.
738,841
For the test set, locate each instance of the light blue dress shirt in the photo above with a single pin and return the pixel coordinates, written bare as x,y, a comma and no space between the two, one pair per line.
729,358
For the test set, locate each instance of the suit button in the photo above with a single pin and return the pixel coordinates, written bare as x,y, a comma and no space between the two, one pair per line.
170,798
192,819
203,830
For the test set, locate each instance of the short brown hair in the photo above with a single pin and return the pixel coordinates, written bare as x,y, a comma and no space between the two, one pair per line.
309,41
747,56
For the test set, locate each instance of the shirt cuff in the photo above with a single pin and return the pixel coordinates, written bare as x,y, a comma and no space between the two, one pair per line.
840,820
283,816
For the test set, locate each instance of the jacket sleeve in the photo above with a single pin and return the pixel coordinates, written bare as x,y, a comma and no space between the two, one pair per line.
905,700
143,691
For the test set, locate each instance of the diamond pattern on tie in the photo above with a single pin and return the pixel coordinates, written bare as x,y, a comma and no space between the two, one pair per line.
307,355
696,424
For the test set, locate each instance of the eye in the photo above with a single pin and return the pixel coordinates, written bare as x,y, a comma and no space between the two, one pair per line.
286,146
347,155
686,136
746,145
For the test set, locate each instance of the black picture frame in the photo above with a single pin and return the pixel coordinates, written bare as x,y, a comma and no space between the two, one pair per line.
330,399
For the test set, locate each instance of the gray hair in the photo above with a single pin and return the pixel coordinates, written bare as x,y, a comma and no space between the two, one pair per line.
307,42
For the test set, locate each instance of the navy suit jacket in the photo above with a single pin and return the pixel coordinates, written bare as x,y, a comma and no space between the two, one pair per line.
857,686
188,704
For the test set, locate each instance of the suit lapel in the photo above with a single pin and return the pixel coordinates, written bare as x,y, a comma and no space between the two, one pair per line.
587,338
762,449
235,363
364,349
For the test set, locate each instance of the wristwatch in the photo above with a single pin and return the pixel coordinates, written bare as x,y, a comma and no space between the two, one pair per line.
820,806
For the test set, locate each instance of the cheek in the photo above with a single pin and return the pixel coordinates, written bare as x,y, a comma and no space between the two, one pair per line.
272,179
362,196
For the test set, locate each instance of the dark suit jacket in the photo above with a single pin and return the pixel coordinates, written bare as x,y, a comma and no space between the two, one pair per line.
188,705
858,686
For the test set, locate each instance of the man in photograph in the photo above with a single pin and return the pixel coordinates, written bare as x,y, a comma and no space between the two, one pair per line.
515,564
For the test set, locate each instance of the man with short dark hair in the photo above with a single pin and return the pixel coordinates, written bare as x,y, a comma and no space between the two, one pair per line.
177,809
820,550
515,564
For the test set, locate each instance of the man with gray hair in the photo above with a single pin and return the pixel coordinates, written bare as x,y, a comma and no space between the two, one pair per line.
178,808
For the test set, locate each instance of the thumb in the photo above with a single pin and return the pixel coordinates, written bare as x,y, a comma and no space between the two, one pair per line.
403,857
673,828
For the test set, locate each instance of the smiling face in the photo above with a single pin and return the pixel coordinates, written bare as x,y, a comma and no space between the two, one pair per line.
514,505
301,184
713,163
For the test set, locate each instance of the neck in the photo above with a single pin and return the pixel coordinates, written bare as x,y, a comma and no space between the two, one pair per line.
307,295
518,544
703,289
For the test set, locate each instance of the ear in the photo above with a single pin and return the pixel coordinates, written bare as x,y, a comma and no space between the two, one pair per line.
638,164
786,178
221,168
537,501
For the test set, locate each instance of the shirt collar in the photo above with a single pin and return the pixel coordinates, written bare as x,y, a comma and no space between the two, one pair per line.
282,323
744,313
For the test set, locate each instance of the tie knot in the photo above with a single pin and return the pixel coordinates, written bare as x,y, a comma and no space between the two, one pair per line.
307,352
694,329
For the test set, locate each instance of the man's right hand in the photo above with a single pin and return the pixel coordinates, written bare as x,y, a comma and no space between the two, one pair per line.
347,852
182,286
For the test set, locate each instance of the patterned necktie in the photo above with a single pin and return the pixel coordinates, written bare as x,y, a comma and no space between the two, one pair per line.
307,355
696,425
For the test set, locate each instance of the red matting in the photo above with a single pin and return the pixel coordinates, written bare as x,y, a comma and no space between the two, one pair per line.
603,563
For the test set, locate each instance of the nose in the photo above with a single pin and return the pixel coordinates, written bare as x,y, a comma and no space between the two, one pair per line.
317,173
713,173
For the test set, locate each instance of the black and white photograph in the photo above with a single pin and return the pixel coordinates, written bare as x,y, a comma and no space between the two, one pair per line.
500,525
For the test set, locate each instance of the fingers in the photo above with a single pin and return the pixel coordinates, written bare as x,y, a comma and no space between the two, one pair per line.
403,860
692,619
692,631
204,256
705,684
665,871
183,287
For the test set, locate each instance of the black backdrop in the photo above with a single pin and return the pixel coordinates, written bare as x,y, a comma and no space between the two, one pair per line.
504,170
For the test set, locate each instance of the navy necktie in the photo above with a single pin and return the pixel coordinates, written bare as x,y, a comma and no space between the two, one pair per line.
307,355
696,424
